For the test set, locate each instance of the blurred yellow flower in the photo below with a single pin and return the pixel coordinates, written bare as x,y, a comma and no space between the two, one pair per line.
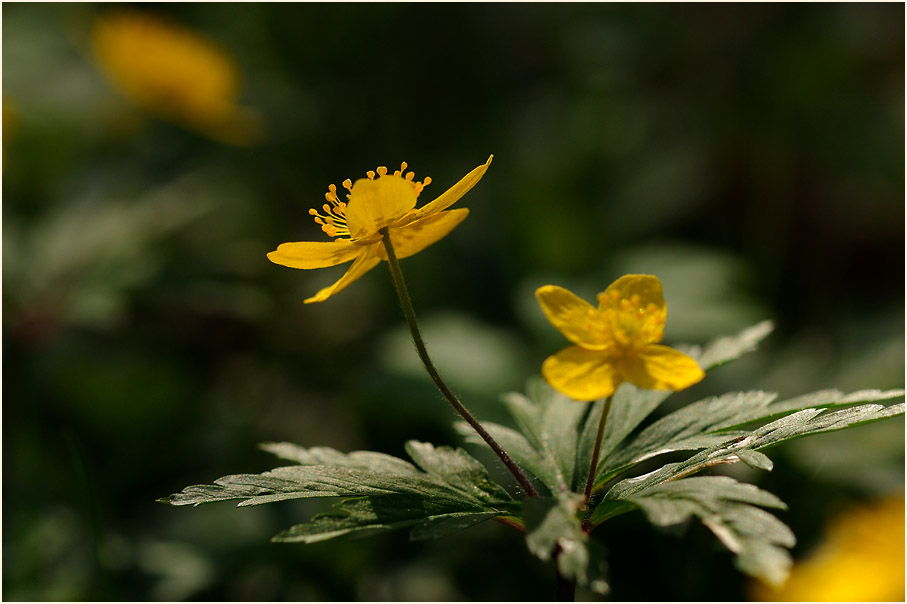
861,559
615,342
380,201
174,73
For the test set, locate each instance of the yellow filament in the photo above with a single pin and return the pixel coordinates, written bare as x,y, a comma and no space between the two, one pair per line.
333,220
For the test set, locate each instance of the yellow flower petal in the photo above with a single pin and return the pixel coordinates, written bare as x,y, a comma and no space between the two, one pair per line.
661,368
314,254
646,287
581,374
453,194
578,320
375,204
364,263
416,236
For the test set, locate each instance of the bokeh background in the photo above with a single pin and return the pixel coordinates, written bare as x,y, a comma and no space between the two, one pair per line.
751,156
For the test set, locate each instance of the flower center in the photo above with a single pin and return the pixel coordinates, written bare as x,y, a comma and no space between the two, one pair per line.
332,217
632,325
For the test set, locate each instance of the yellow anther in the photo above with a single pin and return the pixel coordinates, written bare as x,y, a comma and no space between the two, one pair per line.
410,176
348,184
634,299
370,174
313,212
382,170
427,181
625,304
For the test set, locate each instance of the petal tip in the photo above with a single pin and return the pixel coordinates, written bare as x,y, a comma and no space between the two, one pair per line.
546,289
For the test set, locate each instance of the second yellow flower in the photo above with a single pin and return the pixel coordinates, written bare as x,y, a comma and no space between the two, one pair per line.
615,342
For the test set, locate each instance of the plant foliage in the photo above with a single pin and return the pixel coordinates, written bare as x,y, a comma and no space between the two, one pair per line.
445,490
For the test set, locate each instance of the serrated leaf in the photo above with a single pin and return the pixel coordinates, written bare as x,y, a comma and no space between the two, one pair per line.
458,469
372,515
758,540
549,420
453,476
440,526
553,524
711,422
727,508
797,425
723,350
453,492
549,424
541,466
755,459
683,430
823,398
298,482
325,456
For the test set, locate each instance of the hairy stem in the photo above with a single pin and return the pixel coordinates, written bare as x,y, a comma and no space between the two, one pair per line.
593,465
407,305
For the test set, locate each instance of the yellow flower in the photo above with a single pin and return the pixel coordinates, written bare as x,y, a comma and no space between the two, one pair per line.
173,73
615,342
380,201
861,559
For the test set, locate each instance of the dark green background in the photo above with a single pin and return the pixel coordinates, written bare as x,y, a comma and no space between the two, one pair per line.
751,156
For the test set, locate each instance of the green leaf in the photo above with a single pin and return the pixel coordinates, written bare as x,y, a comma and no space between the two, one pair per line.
549,420
668,495
797,425
686,429
451,475
367,516
823,398
554,523
450,492
456,468
325,456
757,539
670,503
726,507
540,465
727,349
716,420
548,443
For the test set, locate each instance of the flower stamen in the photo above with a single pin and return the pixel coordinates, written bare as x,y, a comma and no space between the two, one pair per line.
333,220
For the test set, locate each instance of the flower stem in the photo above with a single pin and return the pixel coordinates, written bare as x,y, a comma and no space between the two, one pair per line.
407,305
565,589
593,465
